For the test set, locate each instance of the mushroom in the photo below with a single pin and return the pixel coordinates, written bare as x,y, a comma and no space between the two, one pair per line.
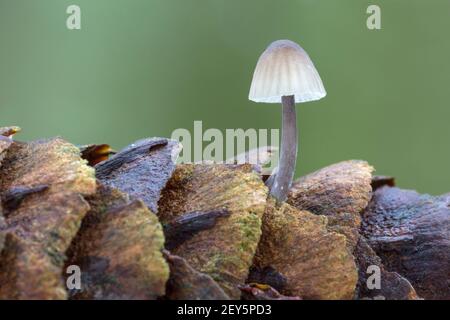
285,73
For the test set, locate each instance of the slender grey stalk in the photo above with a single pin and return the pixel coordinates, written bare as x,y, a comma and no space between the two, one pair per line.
281,184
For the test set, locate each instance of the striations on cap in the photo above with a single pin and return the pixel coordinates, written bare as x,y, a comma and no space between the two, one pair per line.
285,69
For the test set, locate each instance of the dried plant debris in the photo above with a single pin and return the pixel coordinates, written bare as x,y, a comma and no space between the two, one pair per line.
186,283
381,181
96,153
314,262
226,250
391,286
42,187
142,169
411,234
342,187
256,291
12,198
186,226
118,248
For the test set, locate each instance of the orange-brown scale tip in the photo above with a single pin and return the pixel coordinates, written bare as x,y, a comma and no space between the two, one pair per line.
96,153
9,132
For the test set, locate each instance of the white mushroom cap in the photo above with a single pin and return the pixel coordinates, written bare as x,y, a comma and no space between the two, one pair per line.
285,69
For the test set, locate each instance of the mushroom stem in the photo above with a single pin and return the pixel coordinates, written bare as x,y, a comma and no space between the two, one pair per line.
288,155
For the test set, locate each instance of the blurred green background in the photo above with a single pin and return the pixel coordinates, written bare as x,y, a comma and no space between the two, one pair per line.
144,68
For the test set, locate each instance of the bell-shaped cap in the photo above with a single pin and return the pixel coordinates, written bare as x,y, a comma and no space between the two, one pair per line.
285,69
